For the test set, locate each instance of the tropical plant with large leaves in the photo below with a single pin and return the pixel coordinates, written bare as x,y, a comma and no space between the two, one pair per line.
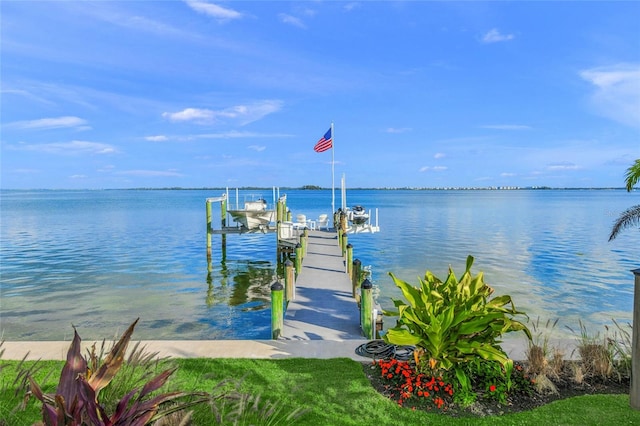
631,216
75,401
453,322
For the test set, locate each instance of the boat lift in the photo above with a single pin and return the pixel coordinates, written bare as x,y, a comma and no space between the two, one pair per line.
357,228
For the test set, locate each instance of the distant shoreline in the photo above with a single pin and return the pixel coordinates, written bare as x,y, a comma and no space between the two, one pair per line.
253,188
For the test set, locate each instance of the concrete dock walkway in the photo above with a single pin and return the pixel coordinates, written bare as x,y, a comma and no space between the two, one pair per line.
323,307
256,349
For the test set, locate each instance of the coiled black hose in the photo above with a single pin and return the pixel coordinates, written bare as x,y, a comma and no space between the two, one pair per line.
378,349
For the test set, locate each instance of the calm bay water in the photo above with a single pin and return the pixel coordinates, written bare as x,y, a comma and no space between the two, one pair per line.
100,259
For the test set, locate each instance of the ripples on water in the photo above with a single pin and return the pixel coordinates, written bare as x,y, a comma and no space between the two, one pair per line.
99,259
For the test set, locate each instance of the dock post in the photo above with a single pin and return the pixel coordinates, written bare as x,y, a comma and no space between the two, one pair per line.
349,261
209,229
343,221
289,281
298,259
223,211
304,238
277,314
279,216
355,279
345,242
366,309
634,394
223,221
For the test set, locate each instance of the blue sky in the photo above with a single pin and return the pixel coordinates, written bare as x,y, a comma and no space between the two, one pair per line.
113,94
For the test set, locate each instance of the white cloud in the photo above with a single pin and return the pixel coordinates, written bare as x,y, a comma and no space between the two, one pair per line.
234,134
106,169
257,148
213,10
506,127
434,168
564,165
157,138
439,155
291,20
351,6
617,92
150,173
50,123
494,36
239,114
398,130
78,176
190,114
68,148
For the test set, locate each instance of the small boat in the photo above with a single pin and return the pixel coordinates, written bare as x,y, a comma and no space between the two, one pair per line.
357,215
254,215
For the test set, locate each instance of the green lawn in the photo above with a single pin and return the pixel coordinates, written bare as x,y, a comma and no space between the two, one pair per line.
334,392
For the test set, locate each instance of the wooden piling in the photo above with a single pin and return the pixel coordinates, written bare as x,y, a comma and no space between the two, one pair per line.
298,259
355,279
349,261
277,312
209,229
345,242
279,210
289,281
223,222
223,212
634,394
304,238
366,309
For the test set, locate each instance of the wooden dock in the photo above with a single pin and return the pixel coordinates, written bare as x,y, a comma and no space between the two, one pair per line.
323,307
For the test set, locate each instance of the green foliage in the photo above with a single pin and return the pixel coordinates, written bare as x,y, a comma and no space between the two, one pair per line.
453,322
621,345
14,384
632,176
631,216
605,356
491,380
337,392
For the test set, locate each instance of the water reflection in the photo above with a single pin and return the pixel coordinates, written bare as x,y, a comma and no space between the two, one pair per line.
242,283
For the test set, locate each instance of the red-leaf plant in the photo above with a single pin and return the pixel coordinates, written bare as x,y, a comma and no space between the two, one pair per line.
76,402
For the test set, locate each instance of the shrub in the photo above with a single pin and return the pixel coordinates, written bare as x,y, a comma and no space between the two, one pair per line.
596,353
453,322
75,401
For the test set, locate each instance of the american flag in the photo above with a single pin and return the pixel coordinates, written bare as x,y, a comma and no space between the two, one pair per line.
325,142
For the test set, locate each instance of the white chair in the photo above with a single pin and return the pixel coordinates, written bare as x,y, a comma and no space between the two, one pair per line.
322,222
301,221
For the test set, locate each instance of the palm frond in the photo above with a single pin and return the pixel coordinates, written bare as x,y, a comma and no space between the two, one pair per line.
629,217
633,175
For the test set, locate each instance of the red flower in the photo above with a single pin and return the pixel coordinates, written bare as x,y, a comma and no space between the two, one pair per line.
492,388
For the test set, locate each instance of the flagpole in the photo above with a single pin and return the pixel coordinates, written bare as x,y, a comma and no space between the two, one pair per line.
333,182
